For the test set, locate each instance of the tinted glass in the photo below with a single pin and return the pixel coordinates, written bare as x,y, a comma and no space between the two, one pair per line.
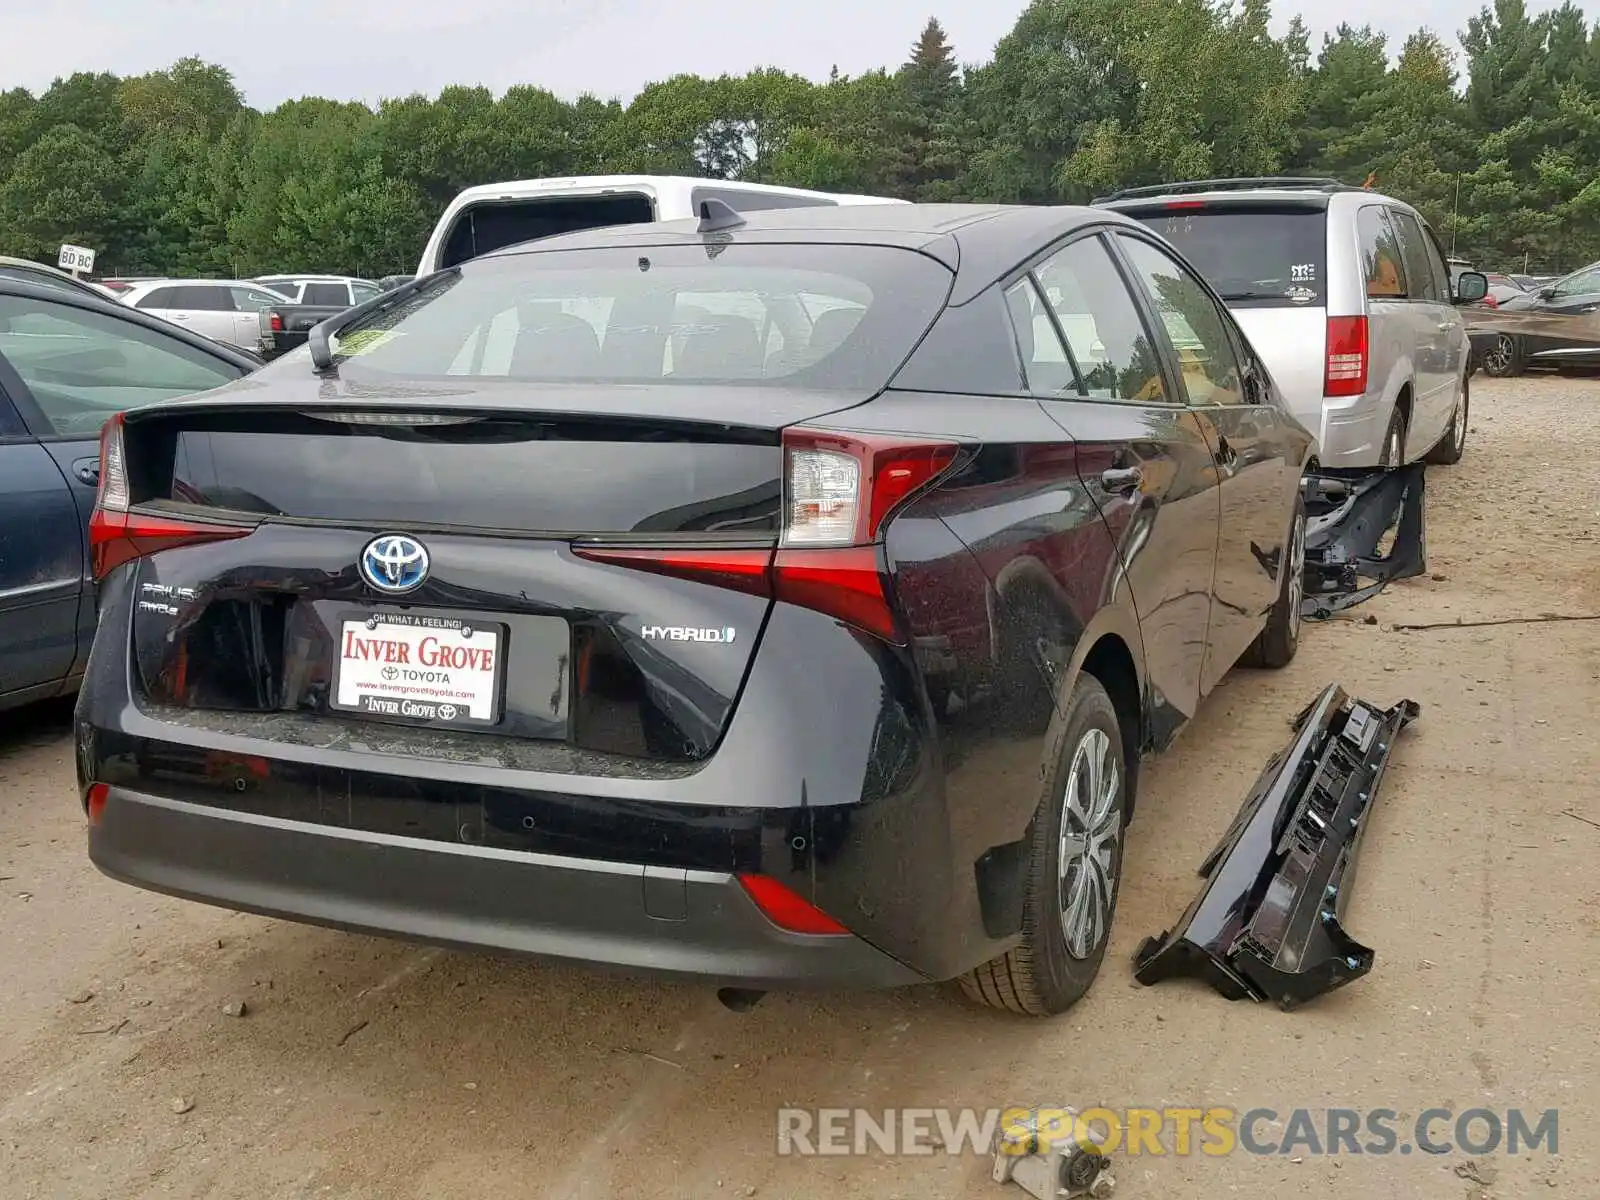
326,293
812,316
1044,359
83,366
1420,283
486,227
1195,325
1380,254
1580,284
362,292
162,297
1252,255
1443,281
1089,297
204,297
525,474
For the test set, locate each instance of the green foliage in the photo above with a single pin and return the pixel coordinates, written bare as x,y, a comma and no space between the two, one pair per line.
172,172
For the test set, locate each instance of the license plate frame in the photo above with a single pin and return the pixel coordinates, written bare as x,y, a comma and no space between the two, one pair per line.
385,700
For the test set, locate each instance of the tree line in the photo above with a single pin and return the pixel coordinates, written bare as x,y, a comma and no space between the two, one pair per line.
172,173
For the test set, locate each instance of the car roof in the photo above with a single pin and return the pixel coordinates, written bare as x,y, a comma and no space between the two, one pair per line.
979,242
116,309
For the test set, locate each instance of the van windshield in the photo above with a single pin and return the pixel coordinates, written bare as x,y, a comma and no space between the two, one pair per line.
494,224
814,316
1252,255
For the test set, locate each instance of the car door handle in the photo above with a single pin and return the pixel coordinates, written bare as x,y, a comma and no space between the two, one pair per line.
1447,326
1122,481
88,471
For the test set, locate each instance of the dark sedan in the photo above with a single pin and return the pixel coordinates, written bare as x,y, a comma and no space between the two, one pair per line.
781,600
1555,325
68,360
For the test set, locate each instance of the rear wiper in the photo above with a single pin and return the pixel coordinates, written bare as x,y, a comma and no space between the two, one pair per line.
320,337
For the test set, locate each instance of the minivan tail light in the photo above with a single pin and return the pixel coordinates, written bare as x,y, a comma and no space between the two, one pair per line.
839,491
1345,373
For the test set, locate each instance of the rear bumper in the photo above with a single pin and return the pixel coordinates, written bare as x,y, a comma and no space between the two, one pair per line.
659,920
1352,431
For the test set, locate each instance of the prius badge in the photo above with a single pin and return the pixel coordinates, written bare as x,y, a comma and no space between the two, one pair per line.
394,563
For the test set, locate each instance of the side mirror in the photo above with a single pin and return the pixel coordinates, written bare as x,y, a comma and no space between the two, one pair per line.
1471,286
1547,293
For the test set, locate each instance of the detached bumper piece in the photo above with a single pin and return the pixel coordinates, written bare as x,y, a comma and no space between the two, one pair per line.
1346,521
1266,924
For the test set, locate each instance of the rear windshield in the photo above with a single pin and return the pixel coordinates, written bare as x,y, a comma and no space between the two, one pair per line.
491,226
1254,256
828,317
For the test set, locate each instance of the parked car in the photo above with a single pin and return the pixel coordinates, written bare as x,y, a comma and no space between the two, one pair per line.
332,291
1555,343
28,271
68,360
225,310
782,599
1532,283
493,215
1346,294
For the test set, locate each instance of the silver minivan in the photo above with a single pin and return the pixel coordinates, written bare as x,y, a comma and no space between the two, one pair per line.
1345,294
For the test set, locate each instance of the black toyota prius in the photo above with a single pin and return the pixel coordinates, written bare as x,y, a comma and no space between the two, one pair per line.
783,599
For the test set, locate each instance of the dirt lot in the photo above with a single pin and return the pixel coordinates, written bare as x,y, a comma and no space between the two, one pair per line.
364,1068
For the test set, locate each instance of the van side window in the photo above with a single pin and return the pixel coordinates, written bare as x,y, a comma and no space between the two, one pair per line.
1380,254
1414,250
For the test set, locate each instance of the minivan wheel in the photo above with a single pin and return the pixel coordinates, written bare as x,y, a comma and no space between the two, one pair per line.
1394,442
1276,644
1074,866
1454,442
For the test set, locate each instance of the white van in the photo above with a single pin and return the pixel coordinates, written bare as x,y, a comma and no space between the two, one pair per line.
493,215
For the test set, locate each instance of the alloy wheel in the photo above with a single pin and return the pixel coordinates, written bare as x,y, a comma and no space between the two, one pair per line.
1091,824
1498,357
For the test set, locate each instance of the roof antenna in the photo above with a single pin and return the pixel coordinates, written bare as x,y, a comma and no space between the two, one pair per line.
717,215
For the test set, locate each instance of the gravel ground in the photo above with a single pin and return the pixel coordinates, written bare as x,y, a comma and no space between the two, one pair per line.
363,1068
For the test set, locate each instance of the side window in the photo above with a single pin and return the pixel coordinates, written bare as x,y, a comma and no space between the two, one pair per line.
362,292
1443,282
1581,284
326,293
204,297
82,366
250,300
1044,359
1110,344
1195,325
1380,254
1414,251
161,297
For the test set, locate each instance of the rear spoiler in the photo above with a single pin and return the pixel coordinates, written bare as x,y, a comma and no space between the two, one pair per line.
1266,924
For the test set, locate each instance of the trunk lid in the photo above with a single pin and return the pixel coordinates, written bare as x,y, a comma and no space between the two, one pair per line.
421,565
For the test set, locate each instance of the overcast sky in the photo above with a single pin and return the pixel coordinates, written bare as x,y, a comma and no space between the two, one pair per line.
370,49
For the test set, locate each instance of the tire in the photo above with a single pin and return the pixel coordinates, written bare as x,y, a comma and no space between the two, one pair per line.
1394,442
1276,644
1504,358
1454,442
1046,973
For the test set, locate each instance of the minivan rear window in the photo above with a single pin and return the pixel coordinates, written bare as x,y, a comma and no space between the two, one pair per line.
1253,255
492,225
816,316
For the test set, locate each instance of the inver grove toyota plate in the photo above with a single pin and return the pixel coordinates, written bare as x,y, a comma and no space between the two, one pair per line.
420,667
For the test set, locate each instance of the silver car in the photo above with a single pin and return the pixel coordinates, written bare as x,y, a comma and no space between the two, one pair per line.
225,310
1346,295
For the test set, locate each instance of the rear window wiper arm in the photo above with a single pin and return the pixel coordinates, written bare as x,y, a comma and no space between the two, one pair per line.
319,339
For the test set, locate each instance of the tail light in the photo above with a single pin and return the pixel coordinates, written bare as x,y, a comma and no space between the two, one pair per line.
275,322
787,909
1346,371
116,535
839,491
94,801
1490,302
